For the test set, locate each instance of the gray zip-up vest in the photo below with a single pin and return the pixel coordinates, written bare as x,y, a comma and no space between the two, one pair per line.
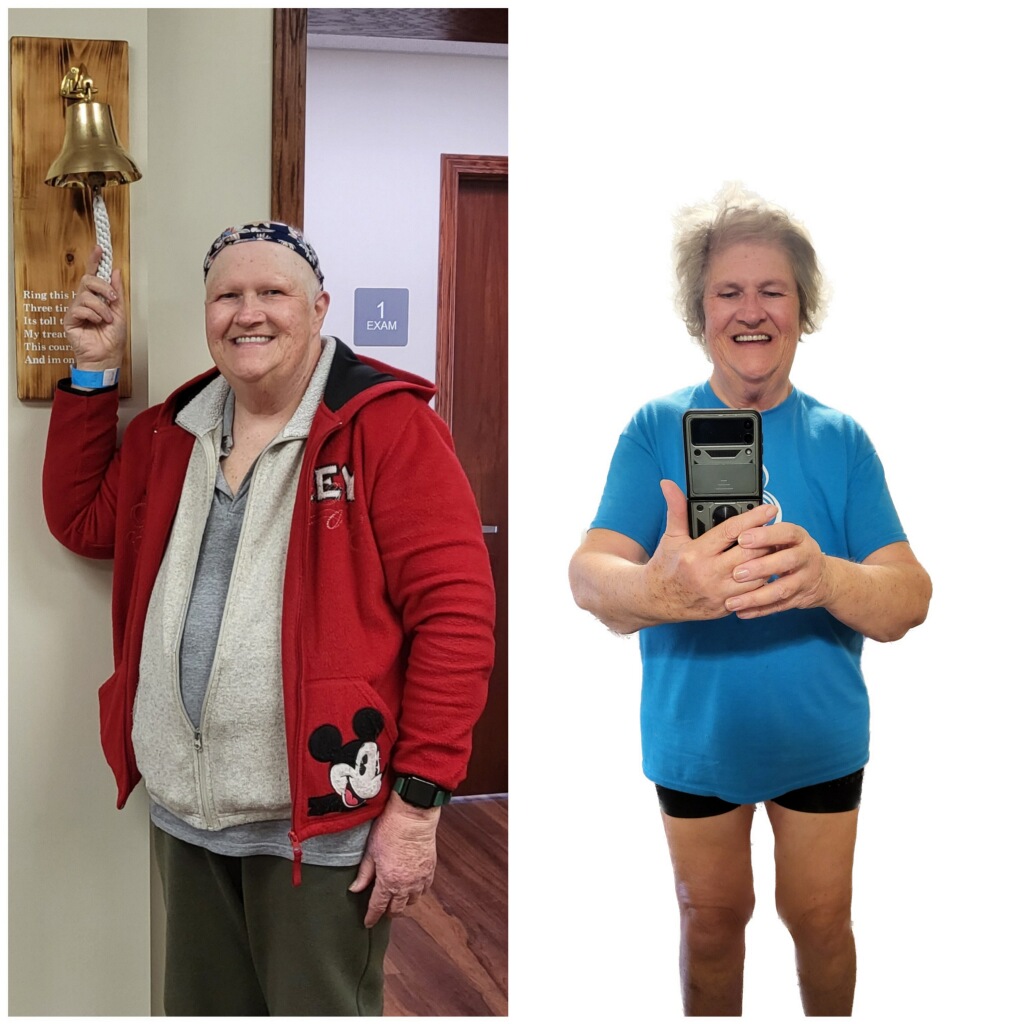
234,768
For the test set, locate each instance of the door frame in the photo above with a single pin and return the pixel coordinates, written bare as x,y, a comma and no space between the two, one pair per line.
454,169
288,116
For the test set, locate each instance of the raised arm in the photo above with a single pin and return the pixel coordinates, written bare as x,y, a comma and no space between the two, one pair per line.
80,470
612,577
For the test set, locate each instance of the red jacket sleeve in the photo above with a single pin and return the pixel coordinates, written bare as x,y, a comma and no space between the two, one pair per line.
438,575
80,471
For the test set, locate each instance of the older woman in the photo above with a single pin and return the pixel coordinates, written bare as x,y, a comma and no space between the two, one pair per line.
751,634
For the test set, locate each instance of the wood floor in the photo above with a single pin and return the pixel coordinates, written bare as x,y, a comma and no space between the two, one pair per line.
449,956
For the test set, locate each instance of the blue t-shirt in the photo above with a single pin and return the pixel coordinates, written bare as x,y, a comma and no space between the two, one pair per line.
747,710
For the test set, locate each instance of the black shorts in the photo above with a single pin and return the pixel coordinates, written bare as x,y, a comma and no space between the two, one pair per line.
823,798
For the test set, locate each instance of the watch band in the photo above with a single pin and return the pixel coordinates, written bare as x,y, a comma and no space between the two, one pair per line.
421,792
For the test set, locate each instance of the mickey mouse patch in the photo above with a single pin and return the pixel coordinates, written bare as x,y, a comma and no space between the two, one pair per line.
356,774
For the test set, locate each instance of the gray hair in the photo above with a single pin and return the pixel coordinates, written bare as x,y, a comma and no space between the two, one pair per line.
737,215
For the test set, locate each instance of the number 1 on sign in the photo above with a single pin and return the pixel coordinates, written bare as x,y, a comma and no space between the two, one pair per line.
380,306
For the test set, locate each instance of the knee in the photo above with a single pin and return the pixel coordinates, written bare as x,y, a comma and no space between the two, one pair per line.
825,927
711,928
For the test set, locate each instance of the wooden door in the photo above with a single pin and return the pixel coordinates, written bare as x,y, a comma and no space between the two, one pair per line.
472,379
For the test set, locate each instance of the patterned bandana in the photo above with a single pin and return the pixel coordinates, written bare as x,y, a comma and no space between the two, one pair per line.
265,231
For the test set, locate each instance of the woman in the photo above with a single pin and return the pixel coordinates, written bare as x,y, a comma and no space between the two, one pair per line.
751,634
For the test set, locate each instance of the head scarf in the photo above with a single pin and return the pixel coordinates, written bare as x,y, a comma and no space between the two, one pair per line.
265,231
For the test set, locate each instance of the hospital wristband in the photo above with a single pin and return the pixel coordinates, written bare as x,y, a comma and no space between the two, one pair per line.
94,378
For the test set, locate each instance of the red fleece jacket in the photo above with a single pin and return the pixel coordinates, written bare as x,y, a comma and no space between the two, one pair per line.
388,599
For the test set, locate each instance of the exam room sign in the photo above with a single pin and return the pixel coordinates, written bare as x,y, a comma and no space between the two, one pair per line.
381,316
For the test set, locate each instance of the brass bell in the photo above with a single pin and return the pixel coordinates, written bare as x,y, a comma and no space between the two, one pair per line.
92,154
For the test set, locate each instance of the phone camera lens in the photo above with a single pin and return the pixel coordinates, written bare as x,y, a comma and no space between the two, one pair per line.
723,512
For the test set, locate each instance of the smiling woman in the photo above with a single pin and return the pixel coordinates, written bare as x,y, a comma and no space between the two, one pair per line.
751,634
297,669
264,311
738,216
752,324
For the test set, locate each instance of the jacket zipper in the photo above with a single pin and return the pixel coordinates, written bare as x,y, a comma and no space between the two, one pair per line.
205,805
296,854
208,816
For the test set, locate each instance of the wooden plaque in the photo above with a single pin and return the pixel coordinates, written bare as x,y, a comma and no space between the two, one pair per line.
53,227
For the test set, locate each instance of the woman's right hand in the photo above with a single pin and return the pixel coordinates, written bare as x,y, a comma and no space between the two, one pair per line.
685,579
690,578
95,323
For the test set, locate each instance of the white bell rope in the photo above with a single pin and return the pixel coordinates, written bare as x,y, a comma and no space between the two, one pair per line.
99,213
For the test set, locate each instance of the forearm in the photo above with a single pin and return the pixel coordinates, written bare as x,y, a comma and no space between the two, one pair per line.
881,601
446,684
613,589
443,588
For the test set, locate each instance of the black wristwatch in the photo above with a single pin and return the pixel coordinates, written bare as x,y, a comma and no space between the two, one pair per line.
421,792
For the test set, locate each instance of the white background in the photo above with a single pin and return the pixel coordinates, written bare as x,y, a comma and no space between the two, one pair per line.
889,130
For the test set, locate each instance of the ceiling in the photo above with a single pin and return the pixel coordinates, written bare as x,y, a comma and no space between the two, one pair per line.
487,25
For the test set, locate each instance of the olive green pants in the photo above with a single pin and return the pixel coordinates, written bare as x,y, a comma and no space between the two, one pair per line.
242,940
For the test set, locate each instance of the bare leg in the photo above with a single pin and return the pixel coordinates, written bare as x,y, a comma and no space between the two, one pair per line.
813,891
715,890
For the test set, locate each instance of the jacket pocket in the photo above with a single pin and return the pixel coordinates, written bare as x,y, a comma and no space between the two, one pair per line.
347,734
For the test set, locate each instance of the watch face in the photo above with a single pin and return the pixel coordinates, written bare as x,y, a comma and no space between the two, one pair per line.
419,792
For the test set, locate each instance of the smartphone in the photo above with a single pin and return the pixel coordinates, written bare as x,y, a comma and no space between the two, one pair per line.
723,465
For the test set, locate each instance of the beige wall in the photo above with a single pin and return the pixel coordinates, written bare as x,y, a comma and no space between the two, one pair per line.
79,914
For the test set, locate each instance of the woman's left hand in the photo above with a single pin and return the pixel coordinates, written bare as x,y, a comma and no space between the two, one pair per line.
802,572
